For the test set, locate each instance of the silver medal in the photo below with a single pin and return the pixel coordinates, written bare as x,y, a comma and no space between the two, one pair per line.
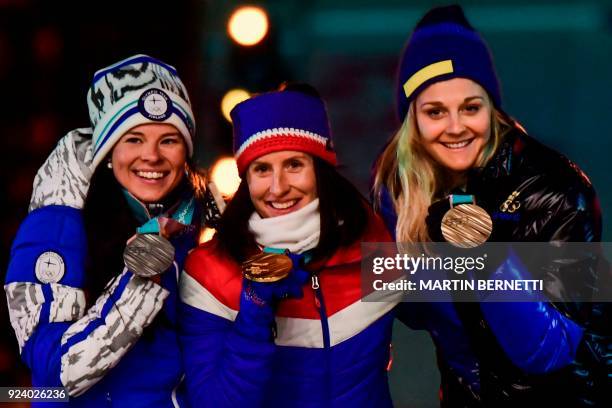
148,255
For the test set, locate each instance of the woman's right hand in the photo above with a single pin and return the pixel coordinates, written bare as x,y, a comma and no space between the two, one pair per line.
64,177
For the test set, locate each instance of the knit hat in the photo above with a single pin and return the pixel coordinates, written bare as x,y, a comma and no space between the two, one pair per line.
132,92
282,120
443,46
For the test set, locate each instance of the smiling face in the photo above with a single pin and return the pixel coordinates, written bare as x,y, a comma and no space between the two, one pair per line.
149,161
454,121
281,182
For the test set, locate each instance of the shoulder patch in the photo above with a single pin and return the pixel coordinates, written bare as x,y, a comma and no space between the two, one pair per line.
50,267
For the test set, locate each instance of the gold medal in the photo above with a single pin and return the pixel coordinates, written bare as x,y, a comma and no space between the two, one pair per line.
267,267
466,225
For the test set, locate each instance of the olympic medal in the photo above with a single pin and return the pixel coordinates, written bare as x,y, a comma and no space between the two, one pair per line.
267,267
466,226
148,255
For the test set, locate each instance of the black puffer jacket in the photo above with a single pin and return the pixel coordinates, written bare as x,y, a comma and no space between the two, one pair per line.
555,201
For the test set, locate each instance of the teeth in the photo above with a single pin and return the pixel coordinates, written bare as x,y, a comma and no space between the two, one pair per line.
457,145
150,174
282,206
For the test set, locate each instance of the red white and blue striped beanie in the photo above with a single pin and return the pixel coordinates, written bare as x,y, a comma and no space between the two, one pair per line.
282,120
443,46
132,92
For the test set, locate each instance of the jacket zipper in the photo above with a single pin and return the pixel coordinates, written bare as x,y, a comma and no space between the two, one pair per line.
320,305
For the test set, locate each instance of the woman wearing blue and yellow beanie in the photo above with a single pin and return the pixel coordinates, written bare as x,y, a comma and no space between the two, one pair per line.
457,148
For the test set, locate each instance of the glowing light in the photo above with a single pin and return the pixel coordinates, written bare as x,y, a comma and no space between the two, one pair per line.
248,25
232,98
206,235
225,175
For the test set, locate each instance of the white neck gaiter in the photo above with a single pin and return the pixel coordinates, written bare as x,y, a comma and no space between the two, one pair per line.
298,231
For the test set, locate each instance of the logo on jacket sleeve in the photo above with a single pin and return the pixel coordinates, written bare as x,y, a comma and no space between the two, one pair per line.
49,267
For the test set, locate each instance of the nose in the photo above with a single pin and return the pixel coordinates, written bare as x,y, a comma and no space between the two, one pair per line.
150,152
455,124
279,185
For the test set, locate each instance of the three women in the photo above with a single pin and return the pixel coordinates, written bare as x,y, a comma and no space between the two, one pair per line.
271,311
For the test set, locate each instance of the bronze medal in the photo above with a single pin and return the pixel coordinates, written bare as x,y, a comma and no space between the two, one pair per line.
267,267
148,255
466,226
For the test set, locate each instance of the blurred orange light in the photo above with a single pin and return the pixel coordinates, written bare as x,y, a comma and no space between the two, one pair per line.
206,235
232,98
248,25
225,176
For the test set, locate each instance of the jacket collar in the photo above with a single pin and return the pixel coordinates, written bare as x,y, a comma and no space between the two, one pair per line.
503,164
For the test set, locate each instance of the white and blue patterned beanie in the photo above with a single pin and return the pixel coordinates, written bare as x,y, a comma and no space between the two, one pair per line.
132,92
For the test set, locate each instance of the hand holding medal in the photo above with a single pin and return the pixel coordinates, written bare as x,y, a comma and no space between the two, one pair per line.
279,273
267,267
149,253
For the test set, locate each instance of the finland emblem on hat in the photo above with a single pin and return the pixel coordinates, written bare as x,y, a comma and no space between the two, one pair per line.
154,104
49,267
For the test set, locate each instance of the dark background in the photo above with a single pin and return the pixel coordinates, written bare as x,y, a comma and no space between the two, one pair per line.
553,60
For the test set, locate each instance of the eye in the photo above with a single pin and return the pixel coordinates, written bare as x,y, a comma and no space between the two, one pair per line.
260,168
132,139
472,108
434,113
170,140
295,164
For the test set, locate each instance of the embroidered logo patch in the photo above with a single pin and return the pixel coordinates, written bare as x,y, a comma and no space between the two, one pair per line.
154,104
49,267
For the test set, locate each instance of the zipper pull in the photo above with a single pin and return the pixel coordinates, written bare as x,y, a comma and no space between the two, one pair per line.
315,287
315,282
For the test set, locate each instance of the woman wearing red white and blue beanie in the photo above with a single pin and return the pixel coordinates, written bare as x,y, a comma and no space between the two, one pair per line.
272,313
457,147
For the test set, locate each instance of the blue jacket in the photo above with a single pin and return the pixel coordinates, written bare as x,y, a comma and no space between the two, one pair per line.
330,349
97,353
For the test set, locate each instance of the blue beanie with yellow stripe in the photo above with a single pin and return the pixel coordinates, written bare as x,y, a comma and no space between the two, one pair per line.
443,46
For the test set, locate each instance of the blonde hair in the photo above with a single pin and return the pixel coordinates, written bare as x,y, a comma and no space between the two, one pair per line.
413,179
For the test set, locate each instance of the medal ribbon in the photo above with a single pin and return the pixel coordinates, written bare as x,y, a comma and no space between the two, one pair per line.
307,254
161,224
457,199
168,226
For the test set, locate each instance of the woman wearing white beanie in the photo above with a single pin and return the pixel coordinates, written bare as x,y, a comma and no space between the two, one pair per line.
92,281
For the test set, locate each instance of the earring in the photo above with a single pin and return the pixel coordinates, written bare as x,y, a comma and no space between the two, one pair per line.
109,164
